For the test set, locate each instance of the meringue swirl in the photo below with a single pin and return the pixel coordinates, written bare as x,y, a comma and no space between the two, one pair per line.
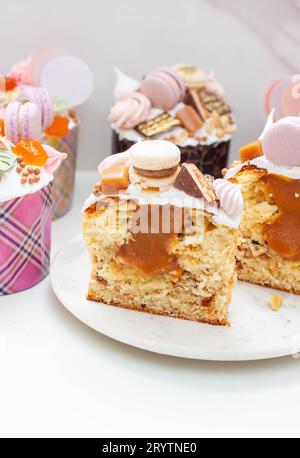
130,110
230,197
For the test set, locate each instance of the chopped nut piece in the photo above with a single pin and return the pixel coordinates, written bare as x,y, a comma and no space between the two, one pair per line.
224,171
275,303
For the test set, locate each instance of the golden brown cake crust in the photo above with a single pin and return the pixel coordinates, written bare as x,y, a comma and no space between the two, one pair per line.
215,322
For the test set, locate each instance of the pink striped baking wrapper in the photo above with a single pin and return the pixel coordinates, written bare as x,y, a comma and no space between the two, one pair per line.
64,179
25,241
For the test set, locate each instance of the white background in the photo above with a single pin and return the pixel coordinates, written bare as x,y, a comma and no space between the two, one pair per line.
57,377
247,42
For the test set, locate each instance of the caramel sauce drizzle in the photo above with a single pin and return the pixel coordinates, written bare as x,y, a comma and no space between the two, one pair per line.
283,233
149,252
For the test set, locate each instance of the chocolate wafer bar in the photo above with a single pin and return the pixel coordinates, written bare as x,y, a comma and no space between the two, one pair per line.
158,125
206,103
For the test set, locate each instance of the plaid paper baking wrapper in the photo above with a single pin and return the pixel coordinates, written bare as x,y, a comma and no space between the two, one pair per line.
64,180
25,239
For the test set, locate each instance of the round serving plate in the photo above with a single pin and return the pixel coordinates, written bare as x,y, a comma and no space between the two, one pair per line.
256,332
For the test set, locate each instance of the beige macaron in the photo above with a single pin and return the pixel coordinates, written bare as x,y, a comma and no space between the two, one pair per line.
154,155
155,164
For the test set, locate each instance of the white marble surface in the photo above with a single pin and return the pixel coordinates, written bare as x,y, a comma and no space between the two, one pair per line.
247,42
61,378
255,333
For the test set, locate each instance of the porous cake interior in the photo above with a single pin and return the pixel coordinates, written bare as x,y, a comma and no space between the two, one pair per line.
200,286
256,261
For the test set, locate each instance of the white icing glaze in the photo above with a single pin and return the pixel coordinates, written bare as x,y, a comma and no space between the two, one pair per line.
263,163
171,197
11,187
10,182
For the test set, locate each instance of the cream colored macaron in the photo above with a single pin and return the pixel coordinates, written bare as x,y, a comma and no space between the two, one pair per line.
154,155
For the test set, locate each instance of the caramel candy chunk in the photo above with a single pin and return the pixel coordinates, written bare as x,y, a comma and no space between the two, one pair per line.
189,118
114,179
194,183
251,151
158,125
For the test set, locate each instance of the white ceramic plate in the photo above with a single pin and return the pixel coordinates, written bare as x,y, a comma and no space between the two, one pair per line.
256,332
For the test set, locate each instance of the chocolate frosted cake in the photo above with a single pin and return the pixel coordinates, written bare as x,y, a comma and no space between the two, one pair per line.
180,104
162,237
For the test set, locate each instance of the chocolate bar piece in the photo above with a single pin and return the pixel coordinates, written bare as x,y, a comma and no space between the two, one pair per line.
206,103
194,183
158,125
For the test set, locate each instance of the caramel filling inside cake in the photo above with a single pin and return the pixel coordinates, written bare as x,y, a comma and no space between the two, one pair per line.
149,250
269,242
183,267
283,233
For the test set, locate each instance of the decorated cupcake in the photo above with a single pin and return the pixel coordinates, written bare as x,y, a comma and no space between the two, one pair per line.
26,173
56,83
180,104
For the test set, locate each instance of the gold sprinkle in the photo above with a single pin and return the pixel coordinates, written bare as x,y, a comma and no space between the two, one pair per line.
297,195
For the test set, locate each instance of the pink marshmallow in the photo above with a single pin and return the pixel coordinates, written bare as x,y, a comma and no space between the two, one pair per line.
281,142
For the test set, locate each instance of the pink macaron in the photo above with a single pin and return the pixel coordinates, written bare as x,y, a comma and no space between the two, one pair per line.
41,97
30,122
22,122
11,121
290,102
164,88
281,142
